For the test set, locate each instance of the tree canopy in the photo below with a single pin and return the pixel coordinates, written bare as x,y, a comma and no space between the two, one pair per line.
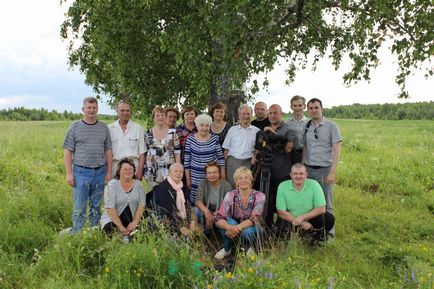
197,52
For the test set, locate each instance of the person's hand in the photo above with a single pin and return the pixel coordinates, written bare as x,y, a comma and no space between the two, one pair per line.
298,221
132,226
330,178
306,226
184,231
124,231
233,231
254,160
139,176
108,177
269,129
70,180
209,217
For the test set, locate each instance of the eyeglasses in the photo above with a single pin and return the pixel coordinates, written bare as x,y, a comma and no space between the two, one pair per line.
315,133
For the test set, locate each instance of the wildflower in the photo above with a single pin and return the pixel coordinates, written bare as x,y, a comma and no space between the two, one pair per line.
331,283
252,257
107,269
413,277
250,270
209,286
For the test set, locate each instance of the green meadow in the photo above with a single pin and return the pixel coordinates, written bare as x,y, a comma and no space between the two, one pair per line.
383,200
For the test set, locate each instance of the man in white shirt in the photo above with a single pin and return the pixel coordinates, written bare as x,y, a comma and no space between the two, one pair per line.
239,144
128,140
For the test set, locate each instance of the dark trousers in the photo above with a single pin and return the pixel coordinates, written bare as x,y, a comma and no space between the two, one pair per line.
271,200
321,224
296,156
126,218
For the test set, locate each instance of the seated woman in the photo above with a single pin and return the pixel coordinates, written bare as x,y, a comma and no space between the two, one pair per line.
124,200
211,192
240,214
171,202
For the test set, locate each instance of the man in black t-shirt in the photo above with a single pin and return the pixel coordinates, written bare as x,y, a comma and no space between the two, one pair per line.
261,114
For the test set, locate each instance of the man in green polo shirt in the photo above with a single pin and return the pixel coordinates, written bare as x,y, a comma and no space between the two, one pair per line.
301,206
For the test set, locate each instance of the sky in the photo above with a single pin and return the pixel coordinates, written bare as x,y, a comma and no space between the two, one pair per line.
34,72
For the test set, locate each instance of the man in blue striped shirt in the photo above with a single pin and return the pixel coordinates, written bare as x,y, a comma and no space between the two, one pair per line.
88,162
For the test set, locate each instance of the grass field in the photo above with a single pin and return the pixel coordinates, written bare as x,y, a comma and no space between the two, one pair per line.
383,200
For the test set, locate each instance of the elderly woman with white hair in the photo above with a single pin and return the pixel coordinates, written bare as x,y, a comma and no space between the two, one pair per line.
171,202
201,149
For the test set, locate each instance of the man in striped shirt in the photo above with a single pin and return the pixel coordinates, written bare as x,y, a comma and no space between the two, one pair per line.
88,163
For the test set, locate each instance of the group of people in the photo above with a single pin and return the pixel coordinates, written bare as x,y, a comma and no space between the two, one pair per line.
198,173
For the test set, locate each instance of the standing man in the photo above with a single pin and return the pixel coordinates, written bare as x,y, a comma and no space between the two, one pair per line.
296,124
321,152
128,140
88,163
281,142
301,203
239,144
261,112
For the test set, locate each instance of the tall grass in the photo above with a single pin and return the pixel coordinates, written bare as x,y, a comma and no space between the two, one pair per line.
383,199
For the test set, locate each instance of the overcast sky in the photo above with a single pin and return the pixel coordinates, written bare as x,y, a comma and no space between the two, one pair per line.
34,71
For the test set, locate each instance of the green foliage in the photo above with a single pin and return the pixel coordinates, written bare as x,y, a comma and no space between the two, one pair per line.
21,113
197,52
400,111
383,205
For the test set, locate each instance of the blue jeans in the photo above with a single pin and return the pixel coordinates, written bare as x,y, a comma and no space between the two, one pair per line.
248,235
88,185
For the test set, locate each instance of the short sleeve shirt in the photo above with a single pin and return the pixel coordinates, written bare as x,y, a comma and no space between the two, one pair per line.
128,144
297,127
88,143
115,197
298,203
319,150
240,141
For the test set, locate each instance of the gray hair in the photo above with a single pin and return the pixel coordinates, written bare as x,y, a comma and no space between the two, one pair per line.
174,165
243,106
203,119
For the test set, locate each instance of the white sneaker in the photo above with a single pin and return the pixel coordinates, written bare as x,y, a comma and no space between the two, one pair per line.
222,253
66,232
250,252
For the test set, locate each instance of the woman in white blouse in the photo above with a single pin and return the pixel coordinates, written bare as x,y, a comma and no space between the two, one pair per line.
124,200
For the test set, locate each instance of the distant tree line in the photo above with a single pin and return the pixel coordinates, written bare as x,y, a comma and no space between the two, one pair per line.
26,114
418,110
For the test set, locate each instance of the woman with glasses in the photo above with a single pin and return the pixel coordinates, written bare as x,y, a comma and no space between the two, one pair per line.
124,200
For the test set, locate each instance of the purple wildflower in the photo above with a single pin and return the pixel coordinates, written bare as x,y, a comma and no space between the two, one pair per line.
413,277
332,282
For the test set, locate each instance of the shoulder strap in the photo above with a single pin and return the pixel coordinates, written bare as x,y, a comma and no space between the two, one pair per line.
308,124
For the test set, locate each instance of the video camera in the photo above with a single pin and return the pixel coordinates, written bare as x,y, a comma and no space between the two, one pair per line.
270,143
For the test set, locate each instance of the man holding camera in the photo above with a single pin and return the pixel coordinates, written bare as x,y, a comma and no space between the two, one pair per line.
281,143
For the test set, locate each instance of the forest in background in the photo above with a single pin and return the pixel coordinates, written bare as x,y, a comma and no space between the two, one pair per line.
388,111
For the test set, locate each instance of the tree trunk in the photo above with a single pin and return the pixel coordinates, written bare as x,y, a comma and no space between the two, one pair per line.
220,92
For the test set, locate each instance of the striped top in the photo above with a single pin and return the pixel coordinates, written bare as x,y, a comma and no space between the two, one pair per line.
88,142
197,154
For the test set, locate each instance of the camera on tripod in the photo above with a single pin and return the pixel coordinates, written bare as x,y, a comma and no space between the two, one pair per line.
270,143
